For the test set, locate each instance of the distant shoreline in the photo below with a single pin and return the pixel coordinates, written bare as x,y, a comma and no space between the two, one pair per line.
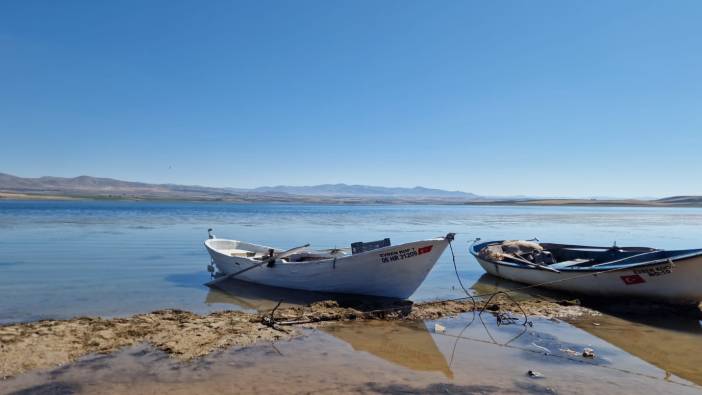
351,200
97,188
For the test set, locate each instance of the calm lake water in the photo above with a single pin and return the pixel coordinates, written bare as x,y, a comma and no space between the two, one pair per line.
65,259
60,259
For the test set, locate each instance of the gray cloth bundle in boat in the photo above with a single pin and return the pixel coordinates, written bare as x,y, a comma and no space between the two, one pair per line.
496,252
520,247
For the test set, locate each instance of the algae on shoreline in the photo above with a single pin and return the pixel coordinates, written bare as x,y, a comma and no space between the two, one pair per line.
185,335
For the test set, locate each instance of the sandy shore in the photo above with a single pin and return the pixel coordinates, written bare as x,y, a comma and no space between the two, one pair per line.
685,201
185,335
25,196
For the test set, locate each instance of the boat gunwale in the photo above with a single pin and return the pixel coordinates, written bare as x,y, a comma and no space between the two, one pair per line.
319,261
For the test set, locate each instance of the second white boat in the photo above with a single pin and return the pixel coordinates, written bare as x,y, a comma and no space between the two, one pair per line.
612,272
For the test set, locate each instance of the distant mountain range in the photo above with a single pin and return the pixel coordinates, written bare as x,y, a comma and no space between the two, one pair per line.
12,187
363,190
86,186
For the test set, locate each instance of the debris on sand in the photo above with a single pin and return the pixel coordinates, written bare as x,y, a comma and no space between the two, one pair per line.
185,335
588,353
543,349
570,352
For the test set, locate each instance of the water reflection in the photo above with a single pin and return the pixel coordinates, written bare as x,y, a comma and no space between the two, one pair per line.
322,363
489,284
248,296
668,337
407,344
370,357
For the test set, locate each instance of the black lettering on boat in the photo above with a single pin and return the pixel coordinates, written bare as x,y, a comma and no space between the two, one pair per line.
654,271
398,255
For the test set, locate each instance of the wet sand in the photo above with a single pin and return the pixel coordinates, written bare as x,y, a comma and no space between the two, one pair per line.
667,338
392,357
316,345
383,347
185,335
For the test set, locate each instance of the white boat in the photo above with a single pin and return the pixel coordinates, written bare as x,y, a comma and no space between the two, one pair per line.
376,268
624,272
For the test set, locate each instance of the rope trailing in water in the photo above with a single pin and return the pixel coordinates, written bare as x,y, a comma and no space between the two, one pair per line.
560,280
232,275
455,268
501,319
560,357
491,295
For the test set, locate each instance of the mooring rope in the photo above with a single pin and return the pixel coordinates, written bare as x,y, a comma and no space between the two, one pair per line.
560,280
491,295
271,321
558,356
455,268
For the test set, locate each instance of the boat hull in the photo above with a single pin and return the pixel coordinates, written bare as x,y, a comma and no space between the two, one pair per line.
392,272
678,283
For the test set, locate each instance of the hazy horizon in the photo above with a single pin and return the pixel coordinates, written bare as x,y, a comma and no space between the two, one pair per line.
478,194
548,98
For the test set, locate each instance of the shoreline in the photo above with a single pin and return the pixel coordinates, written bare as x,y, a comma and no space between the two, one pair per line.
324,200
186,336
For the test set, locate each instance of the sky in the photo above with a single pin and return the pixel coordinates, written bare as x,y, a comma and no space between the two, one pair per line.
548,98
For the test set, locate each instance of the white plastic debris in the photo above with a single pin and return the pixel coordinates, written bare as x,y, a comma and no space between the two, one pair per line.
438,328
545,350
569,351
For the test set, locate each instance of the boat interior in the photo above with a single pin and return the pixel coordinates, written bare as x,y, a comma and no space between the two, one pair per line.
564,256
258,252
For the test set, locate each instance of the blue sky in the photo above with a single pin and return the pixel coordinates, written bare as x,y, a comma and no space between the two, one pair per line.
568,98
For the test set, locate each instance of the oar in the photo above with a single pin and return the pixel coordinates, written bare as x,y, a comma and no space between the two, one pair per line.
272,258
230,275
520,259
626,258
289,252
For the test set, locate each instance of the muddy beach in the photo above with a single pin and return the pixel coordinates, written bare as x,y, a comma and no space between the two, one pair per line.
184,335
470,354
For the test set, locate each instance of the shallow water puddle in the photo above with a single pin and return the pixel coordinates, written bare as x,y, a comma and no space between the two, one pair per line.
376,357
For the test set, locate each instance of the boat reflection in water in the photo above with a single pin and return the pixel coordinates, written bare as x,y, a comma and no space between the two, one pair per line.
405,343
248,296
668,337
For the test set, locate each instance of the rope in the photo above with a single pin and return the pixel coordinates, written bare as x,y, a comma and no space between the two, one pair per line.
455,268
562,357
273,323
493,294
502,320
556,281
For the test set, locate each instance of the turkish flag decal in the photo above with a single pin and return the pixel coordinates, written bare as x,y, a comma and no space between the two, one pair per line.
424,250
633,279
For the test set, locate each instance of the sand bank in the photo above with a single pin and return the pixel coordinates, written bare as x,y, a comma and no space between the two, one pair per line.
185,335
